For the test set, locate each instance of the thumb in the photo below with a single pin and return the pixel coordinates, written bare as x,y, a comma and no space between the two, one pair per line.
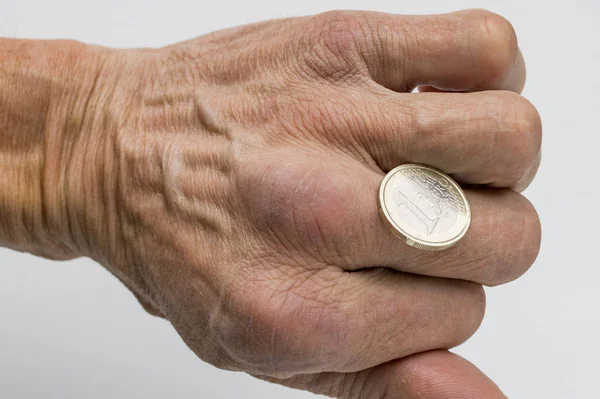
431,375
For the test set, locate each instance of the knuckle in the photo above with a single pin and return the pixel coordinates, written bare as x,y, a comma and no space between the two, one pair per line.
521,251
468,315
334,44
531,236
530,124
498,37
340,22
477,304
526,133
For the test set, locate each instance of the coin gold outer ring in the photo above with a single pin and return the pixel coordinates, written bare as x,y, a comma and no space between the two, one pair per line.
407,237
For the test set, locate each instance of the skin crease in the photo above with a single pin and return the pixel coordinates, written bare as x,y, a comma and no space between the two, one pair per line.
230,182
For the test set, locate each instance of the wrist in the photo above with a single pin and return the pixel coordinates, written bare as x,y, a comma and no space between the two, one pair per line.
48,92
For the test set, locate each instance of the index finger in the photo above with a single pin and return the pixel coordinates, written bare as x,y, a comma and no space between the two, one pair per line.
461,51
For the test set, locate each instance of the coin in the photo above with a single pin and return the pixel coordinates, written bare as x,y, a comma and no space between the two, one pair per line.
424,206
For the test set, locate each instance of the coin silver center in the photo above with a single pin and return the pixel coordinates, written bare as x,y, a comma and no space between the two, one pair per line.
424,205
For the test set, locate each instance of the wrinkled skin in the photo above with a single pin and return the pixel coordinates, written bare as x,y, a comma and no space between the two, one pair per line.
231,183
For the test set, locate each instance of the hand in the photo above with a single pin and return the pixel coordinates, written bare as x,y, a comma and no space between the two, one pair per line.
231,183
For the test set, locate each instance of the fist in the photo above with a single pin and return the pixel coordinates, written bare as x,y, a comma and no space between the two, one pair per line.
233,179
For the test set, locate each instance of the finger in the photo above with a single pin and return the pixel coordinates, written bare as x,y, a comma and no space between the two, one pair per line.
348,322
467,50
501,244
431,375
392,315
492,138
513,81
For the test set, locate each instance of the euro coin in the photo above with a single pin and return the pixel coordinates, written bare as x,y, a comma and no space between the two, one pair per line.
424,206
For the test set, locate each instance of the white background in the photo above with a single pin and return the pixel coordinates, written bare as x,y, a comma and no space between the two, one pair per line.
70,330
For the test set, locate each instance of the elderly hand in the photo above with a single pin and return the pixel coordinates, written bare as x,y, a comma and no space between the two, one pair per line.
231,183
